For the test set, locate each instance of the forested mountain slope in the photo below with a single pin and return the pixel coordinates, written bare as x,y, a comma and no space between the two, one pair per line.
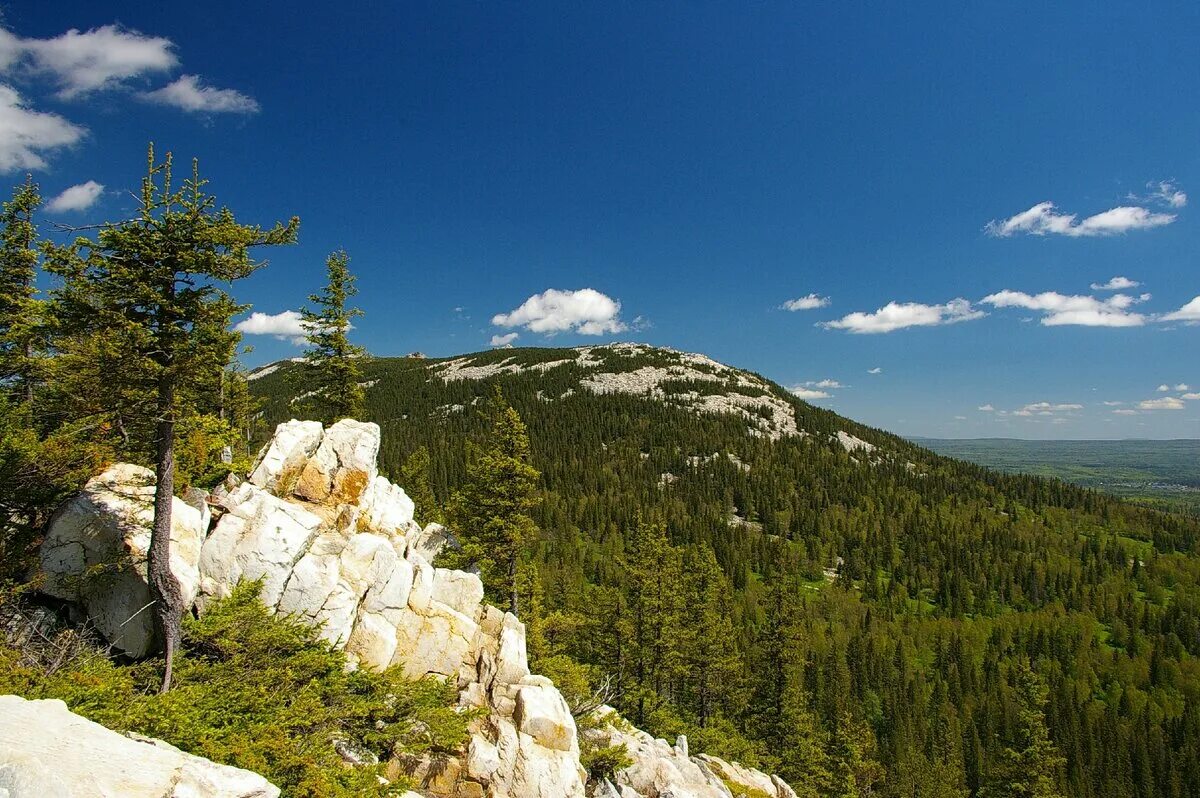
832,601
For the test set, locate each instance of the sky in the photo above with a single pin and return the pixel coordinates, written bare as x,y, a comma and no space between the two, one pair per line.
942,219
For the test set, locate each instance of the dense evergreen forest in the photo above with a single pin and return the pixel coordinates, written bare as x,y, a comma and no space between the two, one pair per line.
866,619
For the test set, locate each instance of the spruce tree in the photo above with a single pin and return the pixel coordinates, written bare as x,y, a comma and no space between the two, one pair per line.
18,305
149,293
491,512
333,372
414,478
1029,767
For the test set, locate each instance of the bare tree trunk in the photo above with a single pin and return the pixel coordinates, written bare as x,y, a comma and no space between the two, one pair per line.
164,588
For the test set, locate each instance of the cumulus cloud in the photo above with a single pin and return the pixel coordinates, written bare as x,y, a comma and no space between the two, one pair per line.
809,393
1116,284
824,384
586,311
81,62
1190,396
988,408
1180,386
27,136
504,340
809,302
899,315
1044,219
1062,309
1046,409
1125,412
1113,404
876,370
1162,403
189,93
286,326
1189,313
76,198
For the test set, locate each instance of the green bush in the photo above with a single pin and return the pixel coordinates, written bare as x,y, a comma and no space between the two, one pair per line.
261,692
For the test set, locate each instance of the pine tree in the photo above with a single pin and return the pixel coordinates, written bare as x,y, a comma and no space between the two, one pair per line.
490,513
18,305
333,373
148,293
711,659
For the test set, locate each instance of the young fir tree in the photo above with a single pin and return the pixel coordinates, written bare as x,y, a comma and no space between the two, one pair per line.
18,303
414,478
150,291
1030,767
711,659
333,373
490,513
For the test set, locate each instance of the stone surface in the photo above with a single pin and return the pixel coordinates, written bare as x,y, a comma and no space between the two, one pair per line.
46,750
343,467
290,447
542,713
94,554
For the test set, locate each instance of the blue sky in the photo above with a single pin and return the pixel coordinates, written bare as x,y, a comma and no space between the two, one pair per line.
696,166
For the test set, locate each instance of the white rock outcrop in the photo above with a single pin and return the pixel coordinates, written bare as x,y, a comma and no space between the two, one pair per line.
48,751
94,554
335,543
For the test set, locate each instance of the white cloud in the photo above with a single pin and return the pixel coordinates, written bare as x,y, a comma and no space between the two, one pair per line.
986,408
1043,219
1113,404
1062,309
1190,396
1182,386
1115,284
824,384
504,340
899,315
76,198
1189,313
876,370
809,302
808,393
189,93
1163,387
1046,409
83,62
586,311
1162,403
960,418
286,326
27,135
1164,192
1125,412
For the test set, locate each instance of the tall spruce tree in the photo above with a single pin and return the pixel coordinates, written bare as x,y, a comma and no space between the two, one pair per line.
491,512
151,291
18,303
1030,765
333,373
414,478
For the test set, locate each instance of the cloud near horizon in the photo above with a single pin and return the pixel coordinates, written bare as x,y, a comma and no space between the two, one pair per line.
504,340
1162,403
586,312
808,394
1189,313
76,198
900,315
1044,219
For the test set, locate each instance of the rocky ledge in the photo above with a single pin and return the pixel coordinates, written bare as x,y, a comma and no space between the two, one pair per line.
335,542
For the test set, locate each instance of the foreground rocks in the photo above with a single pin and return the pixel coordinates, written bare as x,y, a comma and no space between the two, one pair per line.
46,750
335,543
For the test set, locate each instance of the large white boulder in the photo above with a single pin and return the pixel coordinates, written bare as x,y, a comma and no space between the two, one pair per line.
386,507
47,751
343,467
543,714
261,537
94,554
285,455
